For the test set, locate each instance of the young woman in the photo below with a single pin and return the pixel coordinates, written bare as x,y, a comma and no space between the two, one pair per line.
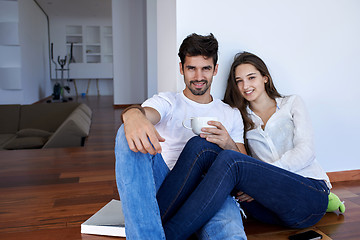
281,183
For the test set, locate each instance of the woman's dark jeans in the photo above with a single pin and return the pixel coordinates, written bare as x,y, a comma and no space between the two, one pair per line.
205,175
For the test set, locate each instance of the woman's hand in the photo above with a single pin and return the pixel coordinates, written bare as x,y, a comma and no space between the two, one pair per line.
219,136
243,197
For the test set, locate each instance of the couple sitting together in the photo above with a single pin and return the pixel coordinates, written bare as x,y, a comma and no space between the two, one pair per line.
173,184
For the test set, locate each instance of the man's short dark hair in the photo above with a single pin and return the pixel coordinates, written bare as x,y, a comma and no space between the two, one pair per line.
196,45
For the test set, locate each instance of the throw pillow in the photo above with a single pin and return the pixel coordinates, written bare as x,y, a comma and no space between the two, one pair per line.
26,143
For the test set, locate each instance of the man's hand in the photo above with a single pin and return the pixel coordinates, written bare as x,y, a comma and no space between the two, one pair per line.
219,136
140,132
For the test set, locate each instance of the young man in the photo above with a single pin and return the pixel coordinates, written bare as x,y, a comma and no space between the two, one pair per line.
150,141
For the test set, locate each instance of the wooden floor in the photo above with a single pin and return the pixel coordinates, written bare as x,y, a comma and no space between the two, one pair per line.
47,194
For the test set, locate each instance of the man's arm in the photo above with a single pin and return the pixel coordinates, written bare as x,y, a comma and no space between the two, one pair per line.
140,132
241,148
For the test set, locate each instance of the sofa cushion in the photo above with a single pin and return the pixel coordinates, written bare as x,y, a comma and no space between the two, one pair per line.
71,131
26,143
9,118
85,109
32,132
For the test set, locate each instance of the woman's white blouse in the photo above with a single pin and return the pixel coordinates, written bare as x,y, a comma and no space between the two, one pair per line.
287,140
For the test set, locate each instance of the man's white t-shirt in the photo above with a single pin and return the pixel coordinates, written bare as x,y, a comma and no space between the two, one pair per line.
174,108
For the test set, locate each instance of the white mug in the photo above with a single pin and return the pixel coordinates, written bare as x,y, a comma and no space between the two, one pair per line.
197,123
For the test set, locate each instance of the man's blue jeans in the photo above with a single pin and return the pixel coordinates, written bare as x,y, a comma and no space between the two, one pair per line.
139,177
187,198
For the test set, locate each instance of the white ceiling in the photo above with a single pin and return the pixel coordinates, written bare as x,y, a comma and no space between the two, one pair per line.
76,8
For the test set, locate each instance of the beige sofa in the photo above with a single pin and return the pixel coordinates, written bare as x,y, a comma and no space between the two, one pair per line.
50,125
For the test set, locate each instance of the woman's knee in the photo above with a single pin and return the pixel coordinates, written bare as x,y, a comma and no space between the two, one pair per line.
198,144
234,161
197,140
230,157
198,152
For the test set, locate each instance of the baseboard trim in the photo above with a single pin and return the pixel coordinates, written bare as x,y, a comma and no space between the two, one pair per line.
341,176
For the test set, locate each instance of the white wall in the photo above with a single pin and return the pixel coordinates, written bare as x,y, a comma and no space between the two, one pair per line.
30,55
33,35
311,48
152,49
10,54
129,43
168,61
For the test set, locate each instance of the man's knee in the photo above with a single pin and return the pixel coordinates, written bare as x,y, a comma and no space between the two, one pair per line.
123,153
125,165
121,143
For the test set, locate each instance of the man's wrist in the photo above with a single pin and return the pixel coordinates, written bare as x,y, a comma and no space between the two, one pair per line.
139,107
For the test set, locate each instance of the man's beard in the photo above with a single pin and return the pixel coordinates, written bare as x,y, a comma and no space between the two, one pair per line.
196,91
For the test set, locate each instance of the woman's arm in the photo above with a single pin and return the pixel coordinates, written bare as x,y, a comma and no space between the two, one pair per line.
303,152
